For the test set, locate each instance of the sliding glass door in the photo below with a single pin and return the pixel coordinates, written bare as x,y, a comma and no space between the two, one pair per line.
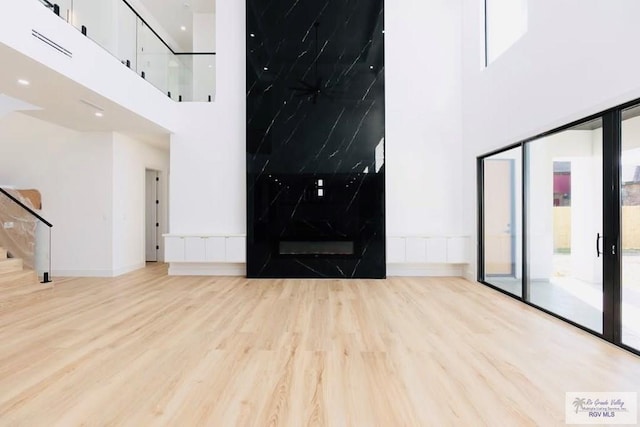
559,223
630,227
564,211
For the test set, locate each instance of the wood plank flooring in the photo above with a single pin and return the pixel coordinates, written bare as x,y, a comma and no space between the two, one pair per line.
146,349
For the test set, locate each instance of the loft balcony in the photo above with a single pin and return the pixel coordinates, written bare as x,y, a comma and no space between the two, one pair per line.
143,46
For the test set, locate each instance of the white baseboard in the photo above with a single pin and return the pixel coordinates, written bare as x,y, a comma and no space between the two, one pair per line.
233,269
470,274
227,269
128,269
81,273
197,269
95,273
98,273
425,270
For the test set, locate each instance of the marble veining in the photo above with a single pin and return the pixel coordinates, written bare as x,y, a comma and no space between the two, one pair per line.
315,134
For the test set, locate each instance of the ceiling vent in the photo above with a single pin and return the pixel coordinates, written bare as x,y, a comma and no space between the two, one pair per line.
51,43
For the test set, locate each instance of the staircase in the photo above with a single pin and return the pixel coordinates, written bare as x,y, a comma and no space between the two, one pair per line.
12,272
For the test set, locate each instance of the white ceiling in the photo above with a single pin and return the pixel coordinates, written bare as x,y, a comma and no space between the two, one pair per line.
64,102
173,14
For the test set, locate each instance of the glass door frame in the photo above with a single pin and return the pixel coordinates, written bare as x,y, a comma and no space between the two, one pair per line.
481,229
611,218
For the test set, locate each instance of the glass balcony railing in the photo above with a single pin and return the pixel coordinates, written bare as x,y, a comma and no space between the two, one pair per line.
118,28
25,237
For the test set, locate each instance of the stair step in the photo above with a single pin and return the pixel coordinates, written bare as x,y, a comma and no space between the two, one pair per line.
10,264
18,278
3,253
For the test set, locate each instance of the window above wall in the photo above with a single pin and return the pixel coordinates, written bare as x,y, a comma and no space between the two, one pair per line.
505,22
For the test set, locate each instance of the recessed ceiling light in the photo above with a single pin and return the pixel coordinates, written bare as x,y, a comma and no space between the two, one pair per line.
183,28
252,35
371,67
99,114
266,68
23,82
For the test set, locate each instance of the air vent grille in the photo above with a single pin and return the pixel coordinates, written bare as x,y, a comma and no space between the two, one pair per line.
51,43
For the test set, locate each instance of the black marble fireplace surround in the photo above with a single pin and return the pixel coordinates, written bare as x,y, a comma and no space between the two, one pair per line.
315,139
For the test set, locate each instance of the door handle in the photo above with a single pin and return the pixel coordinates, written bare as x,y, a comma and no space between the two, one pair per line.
598,237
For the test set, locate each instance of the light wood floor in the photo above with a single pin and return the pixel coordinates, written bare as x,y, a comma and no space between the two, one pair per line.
146,349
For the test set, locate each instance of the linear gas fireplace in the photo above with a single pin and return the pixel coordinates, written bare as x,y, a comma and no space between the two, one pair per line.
316,247
315,139
299,229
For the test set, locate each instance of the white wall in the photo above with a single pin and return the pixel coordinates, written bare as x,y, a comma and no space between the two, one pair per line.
204,40
573,61
207,186
423,117
73,172
130,160
92,187
423,134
